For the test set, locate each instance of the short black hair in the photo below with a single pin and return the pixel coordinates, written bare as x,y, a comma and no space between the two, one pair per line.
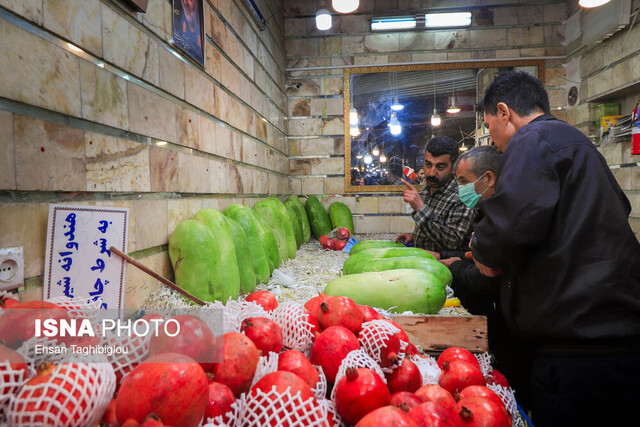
395,166
441,145
481,159
522,92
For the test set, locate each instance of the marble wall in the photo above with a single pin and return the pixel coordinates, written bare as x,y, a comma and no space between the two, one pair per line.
125,122
500,30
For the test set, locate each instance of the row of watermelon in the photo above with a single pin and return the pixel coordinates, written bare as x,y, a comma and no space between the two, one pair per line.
216,256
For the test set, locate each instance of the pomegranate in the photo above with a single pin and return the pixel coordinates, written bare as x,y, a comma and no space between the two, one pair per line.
435,393
331,347
240,359
340,311
9,374
481,391
8,303
339,245
369,314
476,411
411,350
406,377
453,354
130,423
109,418
170,385
265,299
495,377
219,401
281,382
265,334
405,400
43,394
458,375
297,363
313,320
152,421
387,416
19,324
343,233
430,414
330,245
324,241
313,305
359,392
195,340
380,344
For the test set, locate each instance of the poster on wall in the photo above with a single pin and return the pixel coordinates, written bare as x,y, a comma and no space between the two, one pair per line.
188,28
78,262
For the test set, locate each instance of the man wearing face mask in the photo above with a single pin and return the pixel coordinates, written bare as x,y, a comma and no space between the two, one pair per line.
443,223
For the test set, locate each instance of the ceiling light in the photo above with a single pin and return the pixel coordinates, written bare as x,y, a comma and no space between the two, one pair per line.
453,108
375,151
323,19
354,131
345,6
439,20
464,148
393,23
592,3
383,158
394,125
396,105
368,159
353,117
435,119
359,156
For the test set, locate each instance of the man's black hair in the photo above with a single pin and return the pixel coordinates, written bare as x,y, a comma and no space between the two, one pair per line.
441,145
522,92
395,166
481,159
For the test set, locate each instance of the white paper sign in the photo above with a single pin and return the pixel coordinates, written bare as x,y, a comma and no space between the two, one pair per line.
78,262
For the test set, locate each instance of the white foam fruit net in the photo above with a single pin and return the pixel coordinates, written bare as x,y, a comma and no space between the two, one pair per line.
12,380
374,337
272,408
320,390
428,366
234,313
266,365
76,395
356,359
485,363
509,399
331,413
79,307
135,350
296,329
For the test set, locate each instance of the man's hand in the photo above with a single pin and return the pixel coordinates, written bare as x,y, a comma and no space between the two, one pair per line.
449,261
411,196
435,254
405,238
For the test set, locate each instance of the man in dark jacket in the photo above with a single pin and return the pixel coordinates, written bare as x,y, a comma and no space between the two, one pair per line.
557,230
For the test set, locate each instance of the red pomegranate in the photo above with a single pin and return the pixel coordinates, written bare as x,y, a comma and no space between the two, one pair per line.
265,334
331,347
387,416
340,311
219,401
404,400
369,314
313,305
453,354
170,385
343,233
313,320
406,377
41,391
481,391
359,392
7,303
153,421
430,414
8,375
476,411
19,324
194,339
240,359
495,377
109,418
130,423
265,299
297,363
435,393
281,381
456,376
402,335
372,337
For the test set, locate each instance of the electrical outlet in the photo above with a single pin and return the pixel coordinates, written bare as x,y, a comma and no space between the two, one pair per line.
11,268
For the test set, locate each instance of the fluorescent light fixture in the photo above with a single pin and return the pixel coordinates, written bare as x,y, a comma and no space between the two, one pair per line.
323,20
394,125
440,20
435,119
592,3
353,117
345,6
368,159
375,151
354,131
74,48
396,105
393,23
383,158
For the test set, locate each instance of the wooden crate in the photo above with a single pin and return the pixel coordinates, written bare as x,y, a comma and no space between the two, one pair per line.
437,332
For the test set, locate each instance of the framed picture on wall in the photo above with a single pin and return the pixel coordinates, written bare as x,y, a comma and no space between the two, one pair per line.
188,28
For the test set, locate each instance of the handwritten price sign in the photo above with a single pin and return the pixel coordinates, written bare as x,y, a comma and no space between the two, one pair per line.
78,260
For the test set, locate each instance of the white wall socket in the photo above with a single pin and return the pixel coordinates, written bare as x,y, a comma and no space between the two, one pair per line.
11,268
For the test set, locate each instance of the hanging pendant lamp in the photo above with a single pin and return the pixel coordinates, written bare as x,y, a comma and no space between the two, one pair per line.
345,6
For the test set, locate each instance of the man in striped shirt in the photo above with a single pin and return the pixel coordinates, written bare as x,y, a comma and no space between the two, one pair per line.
443,223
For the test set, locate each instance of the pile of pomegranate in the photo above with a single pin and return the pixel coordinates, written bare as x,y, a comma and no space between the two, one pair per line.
329,363
336,240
